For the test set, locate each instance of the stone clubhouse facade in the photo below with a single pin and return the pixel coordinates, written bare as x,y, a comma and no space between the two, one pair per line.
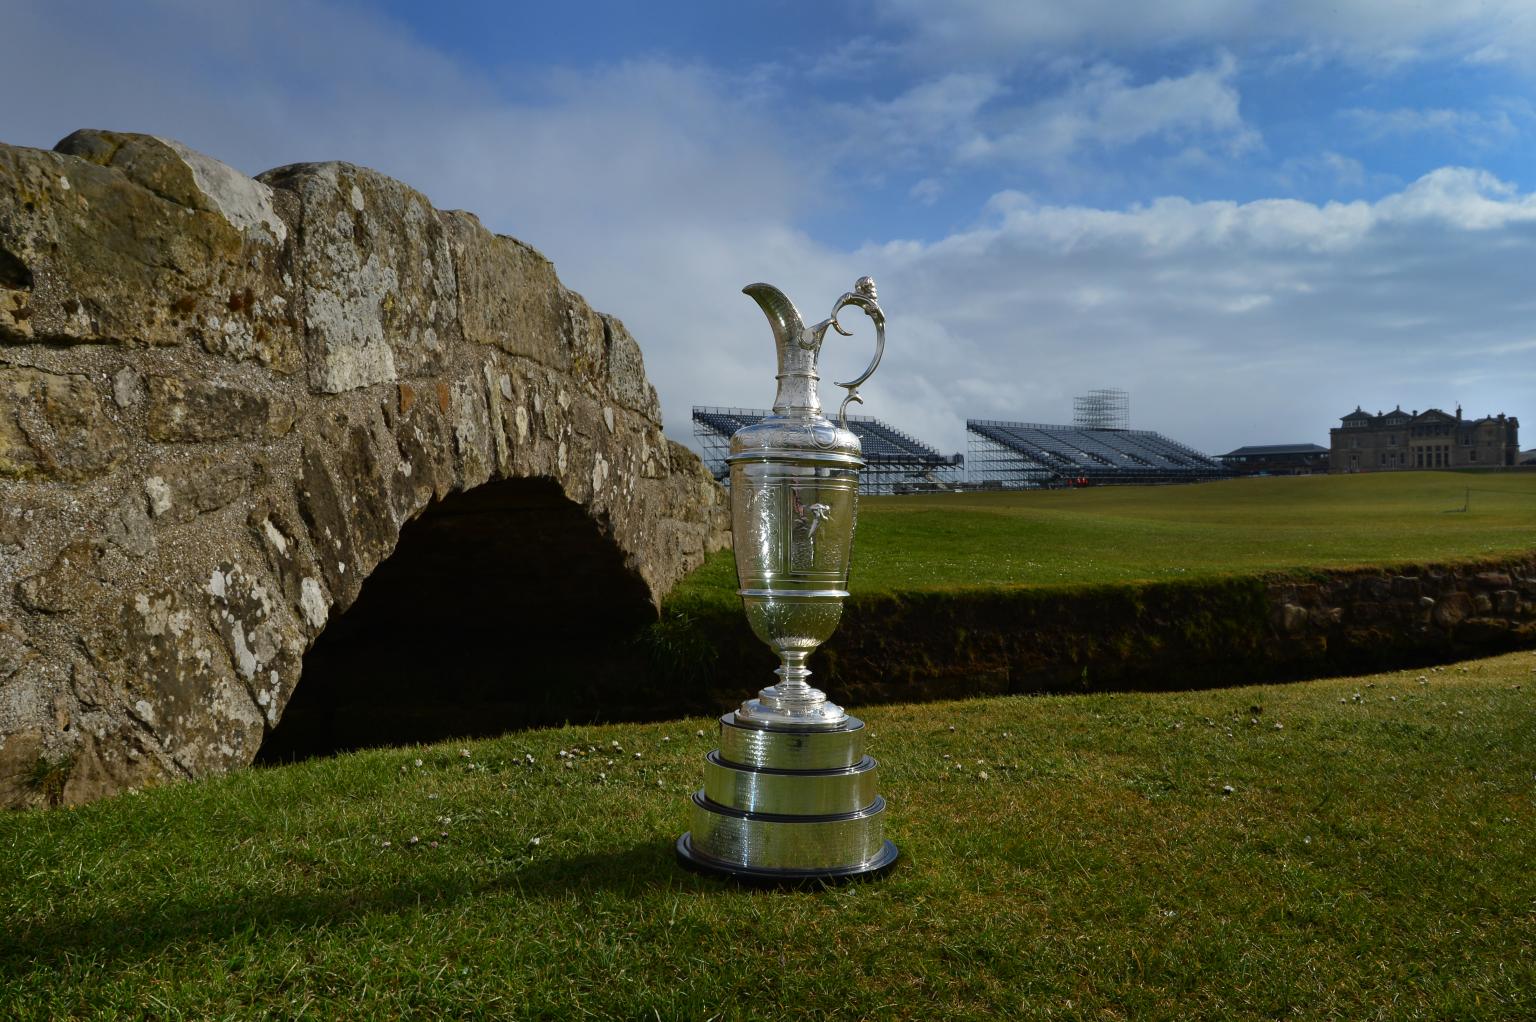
1398,440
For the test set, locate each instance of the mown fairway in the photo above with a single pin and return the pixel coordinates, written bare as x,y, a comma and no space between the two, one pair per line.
1152,533
1077,858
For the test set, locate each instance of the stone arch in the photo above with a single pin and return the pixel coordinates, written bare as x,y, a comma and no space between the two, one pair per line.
501,607
222,399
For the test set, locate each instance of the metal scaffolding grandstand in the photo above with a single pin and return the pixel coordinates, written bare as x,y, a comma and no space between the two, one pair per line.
893,461
1106,408
1023,454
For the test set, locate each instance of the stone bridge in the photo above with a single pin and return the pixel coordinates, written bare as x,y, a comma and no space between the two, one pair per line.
303,424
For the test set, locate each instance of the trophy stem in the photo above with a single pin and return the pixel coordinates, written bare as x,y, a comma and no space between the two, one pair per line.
792,673
792,702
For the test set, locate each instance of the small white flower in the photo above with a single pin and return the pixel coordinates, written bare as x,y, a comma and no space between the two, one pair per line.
699,733
637,755
1227,789
464,753
535,841
1279,726
383,844
602,776
418,762
982,775
414,839
666,738
951,727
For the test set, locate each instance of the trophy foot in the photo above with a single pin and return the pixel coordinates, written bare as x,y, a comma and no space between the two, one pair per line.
765,711
878,867
784,805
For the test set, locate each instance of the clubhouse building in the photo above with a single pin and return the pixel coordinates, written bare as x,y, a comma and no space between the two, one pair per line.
1398,440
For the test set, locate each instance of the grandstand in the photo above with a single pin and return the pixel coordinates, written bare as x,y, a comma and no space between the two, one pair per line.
893,461
1024,454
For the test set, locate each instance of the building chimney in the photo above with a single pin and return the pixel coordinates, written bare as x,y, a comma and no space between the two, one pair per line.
1458,412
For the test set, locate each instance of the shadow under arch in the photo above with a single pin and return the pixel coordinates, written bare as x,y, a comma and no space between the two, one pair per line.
503,607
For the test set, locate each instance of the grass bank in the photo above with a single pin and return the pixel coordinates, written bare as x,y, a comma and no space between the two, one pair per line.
1351,848
1059,590
1114,535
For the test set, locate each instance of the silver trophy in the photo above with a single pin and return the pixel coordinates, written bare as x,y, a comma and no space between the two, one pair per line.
790,794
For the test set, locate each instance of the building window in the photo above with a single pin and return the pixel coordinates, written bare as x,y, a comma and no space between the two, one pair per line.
1472,454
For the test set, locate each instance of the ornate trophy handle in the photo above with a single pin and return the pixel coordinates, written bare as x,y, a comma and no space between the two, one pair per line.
863,295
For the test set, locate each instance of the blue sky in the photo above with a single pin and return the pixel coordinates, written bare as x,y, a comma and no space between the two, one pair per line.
1252,216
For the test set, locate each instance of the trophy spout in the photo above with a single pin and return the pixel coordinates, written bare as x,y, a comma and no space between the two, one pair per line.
797,393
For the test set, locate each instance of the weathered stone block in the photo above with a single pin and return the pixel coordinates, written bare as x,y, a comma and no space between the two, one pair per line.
55,427
510,294
68,583
1453,609
179,491
134,240
380,292
184,410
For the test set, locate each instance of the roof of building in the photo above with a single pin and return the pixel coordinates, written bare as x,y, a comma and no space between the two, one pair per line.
1397,415
1268,450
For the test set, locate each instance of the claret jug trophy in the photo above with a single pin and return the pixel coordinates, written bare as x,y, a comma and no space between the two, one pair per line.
789,794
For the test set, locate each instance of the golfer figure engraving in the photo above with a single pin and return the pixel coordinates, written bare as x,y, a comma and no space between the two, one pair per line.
790,795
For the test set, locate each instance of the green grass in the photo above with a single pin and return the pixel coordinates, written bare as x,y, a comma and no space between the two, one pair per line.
1372,860
1147,534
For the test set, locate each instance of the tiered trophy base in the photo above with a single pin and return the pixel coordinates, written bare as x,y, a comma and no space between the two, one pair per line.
785,805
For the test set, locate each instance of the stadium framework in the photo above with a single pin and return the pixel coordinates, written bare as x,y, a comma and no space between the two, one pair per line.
894,462
1017,455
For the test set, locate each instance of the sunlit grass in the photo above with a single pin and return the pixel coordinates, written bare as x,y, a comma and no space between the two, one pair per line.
1371,859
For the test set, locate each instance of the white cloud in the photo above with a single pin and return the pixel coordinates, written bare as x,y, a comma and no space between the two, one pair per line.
1105,110
1481,129
1229,323
1374,31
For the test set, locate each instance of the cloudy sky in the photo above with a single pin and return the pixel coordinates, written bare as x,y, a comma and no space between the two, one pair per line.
1253,216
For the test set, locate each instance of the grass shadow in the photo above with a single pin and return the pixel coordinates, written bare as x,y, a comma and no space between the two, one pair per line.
138,932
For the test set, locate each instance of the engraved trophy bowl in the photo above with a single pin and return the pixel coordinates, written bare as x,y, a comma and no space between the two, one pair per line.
789,794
